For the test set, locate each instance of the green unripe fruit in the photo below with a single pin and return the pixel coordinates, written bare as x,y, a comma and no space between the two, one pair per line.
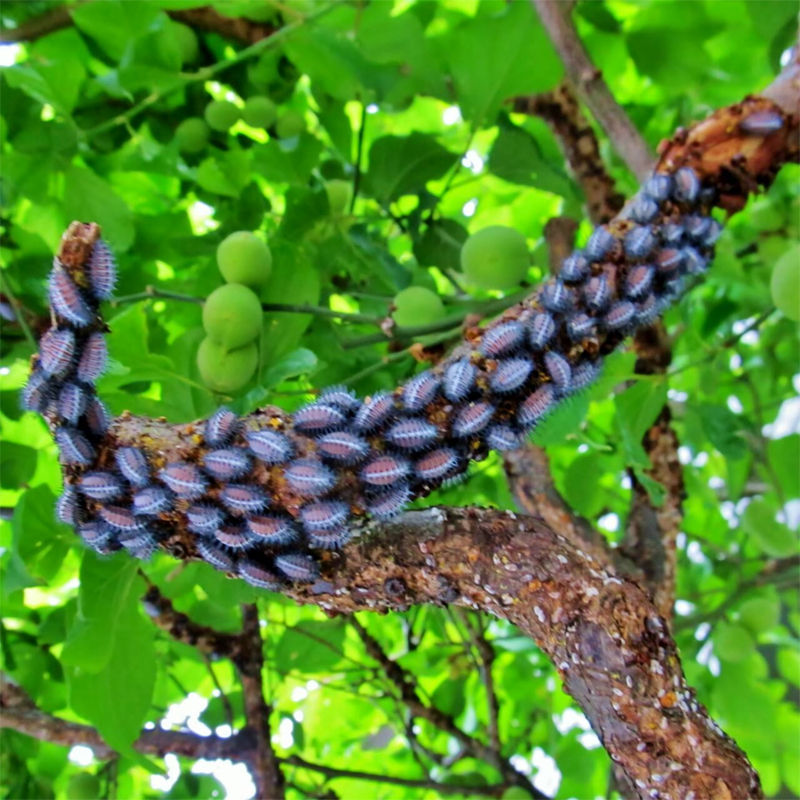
495,257
259,112
759,614
417,305
232,315
292,123
339,193
192,135
785,283
187,42
221,115
83,786
226,370
243,258
732,642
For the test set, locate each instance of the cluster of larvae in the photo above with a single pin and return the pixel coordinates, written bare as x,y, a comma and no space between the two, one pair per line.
340,457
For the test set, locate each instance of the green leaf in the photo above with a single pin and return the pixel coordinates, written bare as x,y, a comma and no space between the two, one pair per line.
784,457
639,406
311,646
769,535
723,428
226,173
732,642
298,362
17,464
288,162
440,245
114,23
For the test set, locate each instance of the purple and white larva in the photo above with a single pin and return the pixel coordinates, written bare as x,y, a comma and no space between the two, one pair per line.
639,242
67,509
580,325
120,518
535,406
38,391
472,419
316,418
412,434
555,296
342,446
643,209
385,470
243,498
669,260
574,268
597,293
214,555
584,374
697,227
693,261
374,412
66,298
647,310
140,544
620,315
658,186
97,416
389,503
203,519
502,438
599,244
95,534
639,281
272,530
220,427
324,515
270,447
308,477
184,479
501,339
297,566
329,540
71,402
258,576
94,358
56,352
420,390
671,233
341,397
438,464
237,537
686,185
459,378
559,370
542,330
132,463
100,485
102,271
510,374
227,463
74,447
152,500
712,234
761,123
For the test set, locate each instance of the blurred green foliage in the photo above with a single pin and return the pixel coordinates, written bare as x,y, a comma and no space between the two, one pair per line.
407,102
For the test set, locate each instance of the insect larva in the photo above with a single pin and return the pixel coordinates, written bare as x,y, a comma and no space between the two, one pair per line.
510,374
227,463
38,391
535,406
459,378
643,209
599,244
324,515
94,358
318,418
472,419
437,464
214,555
71,402
66,299
100,485
329,540
669,260
342,446
132,463
120,518
56,352
95,534
203,519
97,416
686,186
502,438
412,434
620,315
555,296
697,226
74,447
242,498
258,576
237,537
308,477
584,374
385,470
501,339
272,530
374,412
543,328
658,186
420,391
639,281
152,500
761,123
693,261
341,397
597,293
639,242
220,427
102,271
559,370
712,234
297,567
647,310
184,479
671,234
140,545
270,447
389,503
574,268
67,506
